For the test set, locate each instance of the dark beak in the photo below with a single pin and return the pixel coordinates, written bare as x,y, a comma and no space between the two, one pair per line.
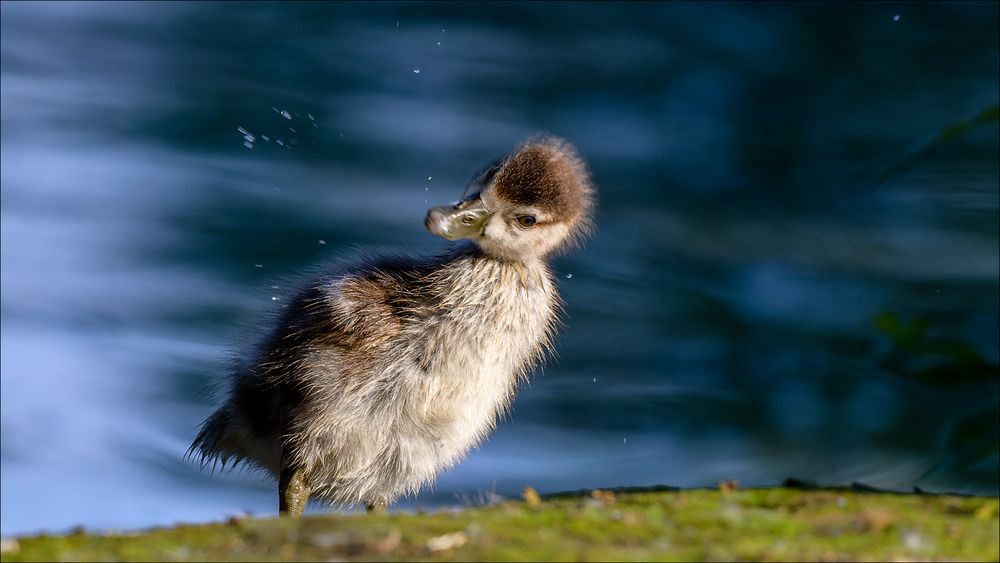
466,219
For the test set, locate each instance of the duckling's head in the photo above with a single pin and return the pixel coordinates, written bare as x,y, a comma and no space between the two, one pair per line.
526,206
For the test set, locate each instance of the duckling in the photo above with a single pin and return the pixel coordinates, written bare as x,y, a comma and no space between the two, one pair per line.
380,374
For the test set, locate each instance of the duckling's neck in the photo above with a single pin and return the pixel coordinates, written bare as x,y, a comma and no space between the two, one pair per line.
502,259
498,251
501,282
498,313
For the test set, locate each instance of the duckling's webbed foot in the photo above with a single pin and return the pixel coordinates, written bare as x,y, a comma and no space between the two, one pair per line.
293,491
377,506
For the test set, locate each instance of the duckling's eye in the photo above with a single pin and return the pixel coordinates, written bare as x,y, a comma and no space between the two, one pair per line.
526,221
468,220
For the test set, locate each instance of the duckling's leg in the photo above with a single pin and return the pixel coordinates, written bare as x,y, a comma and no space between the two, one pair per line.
377,506
293,491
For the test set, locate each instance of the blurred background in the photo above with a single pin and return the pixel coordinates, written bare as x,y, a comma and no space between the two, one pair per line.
795,272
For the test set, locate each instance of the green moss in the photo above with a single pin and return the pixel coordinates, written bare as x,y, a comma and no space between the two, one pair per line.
757,524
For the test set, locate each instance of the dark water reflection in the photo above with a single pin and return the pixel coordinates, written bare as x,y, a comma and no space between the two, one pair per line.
720,321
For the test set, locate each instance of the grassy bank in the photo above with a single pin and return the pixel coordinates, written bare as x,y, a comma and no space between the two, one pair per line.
756,524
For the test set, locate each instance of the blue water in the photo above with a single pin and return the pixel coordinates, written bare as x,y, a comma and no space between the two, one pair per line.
720,324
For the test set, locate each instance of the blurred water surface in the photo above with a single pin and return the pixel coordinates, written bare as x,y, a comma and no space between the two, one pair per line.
167,167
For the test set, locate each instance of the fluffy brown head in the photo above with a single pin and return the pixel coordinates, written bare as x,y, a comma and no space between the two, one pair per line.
536,201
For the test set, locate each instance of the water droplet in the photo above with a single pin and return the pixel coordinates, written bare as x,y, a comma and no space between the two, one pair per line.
427,189
430,177
265,137
285,114
310,116
595,380
439,43
416,71
624,440
341,134
280,142
321,241
292,129
258,265
242,130
248,144
895,18
274,298
274,287
569,276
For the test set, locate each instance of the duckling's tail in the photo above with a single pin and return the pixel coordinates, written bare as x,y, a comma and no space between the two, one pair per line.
209,445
